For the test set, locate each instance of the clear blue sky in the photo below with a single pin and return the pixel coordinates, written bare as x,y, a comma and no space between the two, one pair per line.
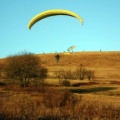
101,29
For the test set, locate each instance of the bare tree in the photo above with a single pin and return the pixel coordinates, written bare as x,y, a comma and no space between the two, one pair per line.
68,75
80,72
23,66
42,74
60,75
90,74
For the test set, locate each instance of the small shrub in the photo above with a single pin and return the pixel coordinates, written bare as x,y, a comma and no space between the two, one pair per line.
68,74
80,73
90,74
66,83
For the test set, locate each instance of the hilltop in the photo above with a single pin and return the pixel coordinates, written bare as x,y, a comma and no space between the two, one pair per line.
106,65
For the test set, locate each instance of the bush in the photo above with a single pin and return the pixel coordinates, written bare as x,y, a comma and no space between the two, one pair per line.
68,74
90,75
66,83
80,73
24,66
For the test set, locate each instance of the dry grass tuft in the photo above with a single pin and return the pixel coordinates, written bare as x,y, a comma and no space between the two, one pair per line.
53,104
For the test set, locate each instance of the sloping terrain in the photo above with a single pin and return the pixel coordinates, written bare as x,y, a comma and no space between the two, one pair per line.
96,101
106,65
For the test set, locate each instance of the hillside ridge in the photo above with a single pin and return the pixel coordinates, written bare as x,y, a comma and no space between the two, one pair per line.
106,65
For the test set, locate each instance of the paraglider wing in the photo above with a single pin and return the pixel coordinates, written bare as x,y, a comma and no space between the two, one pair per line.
71,48
53,12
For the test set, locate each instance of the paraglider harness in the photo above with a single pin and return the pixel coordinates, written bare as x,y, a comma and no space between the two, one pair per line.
57,58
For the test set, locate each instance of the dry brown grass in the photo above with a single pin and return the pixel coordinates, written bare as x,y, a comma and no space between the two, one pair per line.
86,58
54,104
83,100
105,64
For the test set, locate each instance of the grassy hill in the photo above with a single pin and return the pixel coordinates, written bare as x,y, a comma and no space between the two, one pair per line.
86,101
106,65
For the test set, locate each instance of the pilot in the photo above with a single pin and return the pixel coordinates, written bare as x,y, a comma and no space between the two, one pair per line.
57,57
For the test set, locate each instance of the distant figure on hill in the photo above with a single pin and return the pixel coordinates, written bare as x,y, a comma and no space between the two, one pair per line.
57,57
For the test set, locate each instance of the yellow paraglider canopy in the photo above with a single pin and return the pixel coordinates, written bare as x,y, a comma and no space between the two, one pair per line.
53,12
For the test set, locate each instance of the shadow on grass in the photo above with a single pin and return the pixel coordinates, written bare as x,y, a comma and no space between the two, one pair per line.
2,84
92,90
84,83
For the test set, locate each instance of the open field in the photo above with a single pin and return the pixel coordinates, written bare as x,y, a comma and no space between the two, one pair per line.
86,102
82,100
106,65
